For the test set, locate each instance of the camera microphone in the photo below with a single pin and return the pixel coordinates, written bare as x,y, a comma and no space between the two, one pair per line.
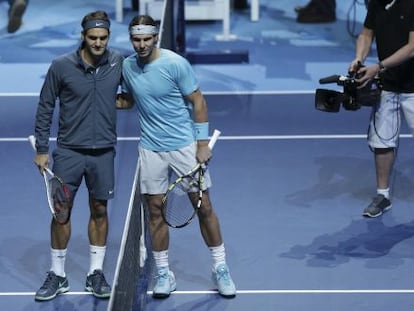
389,5
330,79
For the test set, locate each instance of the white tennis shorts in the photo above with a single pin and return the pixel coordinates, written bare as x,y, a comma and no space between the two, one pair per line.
155,168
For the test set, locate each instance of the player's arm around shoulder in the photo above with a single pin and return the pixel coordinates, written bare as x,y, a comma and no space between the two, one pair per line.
124,101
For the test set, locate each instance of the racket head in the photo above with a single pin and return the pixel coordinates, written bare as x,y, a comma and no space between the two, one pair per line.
60,196
58,193
183,198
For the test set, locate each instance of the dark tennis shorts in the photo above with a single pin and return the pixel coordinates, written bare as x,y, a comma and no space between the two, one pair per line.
96,166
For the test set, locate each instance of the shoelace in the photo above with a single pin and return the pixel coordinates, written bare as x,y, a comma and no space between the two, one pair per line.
377,200
162,277
98,280
223,274
50,280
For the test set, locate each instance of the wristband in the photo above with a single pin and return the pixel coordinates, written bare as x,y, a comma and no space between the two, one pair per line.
201,130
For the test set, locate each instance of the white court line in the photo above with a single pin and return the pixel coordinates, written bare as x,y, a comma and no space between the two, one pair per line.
253,137
19,94
33,293
302,291
19,139
283,137
298,92
255,292
286,92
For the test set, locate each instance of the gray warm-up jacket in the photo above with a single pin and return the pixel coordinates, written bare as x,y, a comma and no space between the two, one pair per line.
86,97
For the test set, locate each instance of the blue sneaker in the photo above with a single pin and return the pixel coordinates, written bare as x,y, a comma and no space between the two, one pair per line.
53,286
222,279
164,283
379,205
97,285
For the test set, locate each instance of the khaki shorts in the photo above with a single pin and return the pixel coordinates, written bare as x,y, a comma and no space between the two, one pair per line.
385,124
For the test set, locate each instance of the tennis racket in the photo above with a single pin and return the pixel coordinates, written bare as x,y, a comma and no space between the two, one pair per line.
57,192
184,194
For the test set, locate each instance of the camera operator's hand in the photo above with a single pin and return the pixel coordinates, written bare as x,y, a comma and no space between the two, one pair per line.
355,65
366,74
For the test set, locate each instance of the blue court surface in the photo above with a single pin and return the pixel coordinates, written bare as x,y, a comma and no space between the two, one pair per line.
289,182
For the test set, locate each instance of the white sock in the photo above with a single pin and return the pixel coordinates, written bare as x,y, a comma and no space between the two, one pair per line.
161,259
384,192
58,257
218,253
97,256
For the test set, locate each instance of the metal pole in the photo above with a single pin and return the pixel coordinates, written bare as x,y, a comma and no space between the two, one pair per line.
119,14
254,10
226,36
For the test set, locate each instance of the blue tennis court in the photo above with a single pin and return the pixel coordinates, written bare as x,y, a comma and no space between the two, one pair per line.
290,203
289,183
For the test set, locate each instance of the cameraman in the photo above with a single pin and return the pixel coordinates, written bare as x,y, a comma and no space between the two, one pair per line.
391,24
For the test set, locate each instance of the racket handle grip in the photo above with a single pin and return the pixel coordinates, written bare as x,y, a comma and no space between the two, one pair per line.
213,139
32,141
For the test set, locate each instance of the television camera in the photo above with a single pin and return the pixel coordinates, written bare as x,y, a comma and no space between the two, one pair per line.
352,98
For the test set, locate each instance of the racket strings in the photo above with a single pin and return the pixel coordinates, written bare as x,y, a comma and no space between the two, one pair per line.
182,197
61,198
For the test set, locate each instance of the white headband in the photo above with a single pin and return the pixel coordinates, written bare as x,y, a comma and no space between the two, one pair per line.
143,30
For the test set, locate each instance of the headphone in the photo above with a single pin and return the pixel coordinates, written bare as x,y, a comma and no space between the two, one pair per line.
389,5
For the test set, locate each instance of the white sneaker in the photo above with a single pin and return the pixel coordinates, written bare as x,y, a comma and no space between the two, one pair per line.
221,277
164,283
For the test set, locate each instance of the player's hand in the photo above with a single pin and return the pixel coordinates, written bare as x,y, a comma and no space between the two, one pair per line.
41,161
203,152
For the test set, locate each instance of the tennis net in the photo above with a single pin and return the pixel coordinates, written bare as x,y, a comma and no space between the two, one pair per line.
132,270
